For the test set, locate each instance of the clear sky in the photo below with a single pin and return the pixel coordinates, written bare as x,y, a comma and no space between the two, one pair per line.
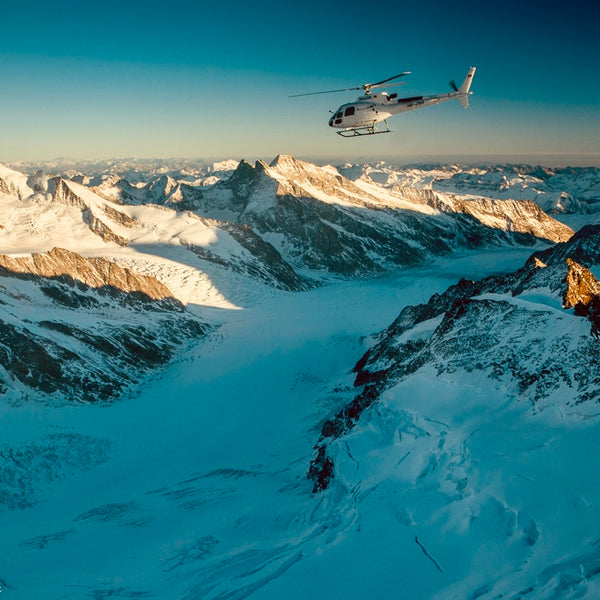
212,79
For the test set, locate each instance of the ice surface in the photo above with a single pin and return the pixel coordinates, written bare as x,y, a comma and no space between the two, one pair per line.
196,487
445,490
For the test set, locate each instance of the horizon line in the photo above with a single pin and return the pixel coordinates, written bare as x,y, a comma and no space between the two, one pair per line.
470,159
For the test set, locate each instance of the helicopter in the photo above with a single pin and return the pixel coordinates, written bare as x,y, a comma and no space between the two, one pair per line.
361,117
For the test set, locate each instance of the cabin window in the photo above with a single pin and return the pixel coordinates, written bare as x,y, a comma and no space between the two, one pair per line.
339,115
338,121
349,111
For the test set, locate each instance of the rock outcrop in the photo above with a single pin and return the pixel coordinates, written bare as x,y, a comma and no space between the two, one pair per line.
517,329
93,272
75,329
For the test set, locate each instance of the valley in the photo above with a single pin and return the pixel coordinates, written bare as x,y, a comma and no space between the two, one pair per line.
232,321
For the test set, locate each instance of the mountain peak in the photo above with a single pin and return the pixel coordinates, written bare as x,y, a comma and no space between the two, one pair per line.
583,294
284,160
14,183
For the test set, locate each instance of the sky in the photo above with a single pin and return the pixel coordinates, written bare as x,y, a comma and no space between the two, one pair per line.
92,80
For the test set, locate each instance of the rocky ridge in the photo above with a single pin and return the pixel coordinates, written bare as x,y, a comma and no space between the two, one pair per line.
74,329
515,328
319,220
94,272
555,190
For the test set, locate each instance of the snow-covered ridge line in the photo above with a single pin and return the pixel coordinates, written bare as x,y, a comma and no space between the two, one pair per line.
555,190
482,328
93,272
320,220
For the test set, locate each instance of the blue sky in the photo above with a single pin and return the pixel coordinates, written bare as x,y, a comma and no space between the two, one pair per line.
197,79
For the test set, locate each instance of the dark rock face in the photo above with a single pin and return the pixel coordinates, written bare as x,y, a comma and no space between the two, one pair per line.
262,261
319,220
490,326
62,339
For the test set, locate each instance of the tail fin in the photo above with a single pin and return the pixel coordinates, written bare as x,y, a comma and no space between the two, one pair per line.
464,88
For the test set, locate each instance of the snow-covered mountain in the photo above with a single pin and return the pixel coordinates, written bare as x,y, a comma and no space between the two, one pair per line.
322,221
167,364
84,329
318,220
555,190
464,409
151,239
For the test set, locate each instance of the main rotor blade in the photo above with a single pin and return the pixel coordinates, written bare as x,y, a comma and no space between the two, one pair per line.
388,84
326,92
389,79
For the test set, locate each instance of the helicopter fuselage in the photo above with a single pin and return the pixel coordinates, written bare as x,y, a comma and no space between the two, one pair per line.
373,108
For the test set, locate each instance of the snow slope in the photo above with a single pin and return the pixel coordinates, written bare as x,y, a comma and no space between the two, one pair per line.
467,476
557,190
197,487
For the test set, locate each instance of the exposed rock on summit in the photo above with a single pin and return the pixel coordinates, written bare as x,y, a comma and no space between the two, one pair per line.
583,294
93,272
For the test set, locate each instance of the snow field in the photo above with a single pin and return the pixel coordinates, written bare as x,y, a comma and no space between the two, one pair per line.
217,449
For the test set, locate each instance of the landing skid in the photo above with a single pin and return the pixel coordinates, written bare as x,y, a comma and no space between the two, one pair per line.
364,130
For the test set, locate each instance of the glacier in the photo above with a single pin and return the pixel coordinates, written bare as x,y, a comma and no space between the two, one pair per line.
193,484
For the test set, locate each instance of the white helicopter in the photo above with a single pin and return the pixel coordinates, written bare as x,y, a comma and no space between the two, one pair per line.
361,117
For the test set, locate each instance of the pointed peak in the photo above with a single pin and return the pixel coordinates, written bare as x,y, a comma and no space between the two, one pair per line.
243,167
244,175
164,183
283,160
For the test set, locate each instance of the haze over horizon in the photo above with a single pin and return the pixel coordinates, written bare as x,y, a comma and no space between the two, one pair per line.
106,79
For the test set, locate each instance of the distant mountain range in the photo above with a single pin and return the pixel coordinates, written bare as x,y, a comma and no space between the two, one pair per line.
555,189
